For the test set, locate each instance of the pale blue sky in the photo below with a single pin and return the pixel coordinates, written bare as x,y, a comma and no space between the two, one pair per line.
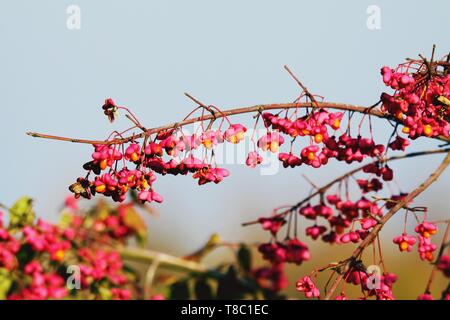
145,54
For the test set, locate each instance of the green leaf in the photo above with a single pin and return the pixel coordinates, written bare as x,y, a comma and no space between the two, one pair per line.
21,213
179,291
25,254
5,283
229,286
65,220
203,290
244,256
213,242
105,293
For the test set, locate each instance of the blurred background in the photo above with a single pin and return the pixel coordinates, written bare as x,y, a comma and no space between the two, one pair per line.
145,54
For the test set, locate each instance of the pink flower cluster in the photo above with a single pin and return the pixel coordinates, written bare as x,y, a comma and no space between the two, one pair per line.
36,256
272,278
110,163
42,285
308,287
115,225
9,247
444,265
104,156
45,237
343,216
385,290
272,224
349,149
380,170
405,242
420,101
97,265
426,247
314,125
373,285
291,251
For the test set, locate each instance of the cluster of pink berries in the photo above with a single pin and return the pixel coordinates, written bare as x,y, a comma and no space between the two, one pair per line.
382,290
42,285
100,264
420,101
444,265
39,253
314,125
9,246
45,237
343,216
272,278
405,242
290,251
113,226
110,163
426,248
308,287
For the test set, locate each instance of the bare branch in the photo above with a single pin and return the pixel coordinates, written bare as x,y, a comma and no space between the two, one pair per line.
231,112
374,232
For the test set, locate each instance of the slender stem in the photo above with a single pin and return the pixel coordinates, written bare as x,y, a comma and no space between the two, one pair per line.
374,232
150,276
441,251
164,260
305,90
136,123
257,108
201,104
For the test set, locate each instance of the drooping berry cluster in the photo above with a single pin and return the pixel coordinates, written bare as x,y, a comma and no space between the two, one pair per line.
426,248
272,277
347,221
321,145
381,289
119,168
421,101
290,250
34,258
307,286
371,285
341,215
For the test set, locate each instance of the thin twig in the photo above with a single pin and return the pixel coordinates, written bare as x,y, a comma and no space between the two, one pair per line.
195,100
305,90
441,251
136,123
